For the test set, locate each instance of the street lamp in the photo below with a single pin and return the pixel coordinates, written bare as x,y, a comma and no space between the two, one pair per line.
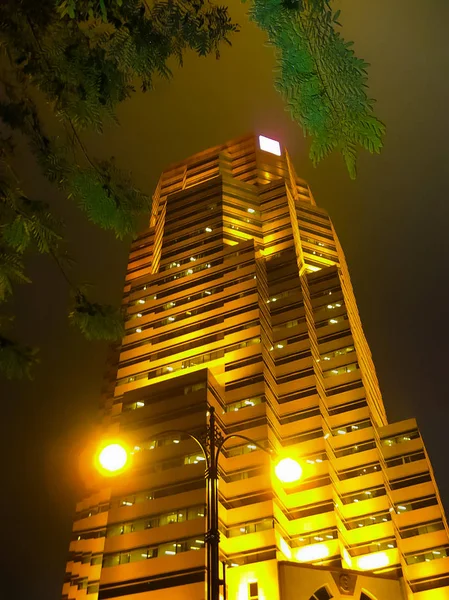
112,459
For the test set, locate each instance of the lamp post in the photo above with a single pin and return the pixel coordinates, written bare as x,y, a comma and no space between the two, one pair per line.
113,458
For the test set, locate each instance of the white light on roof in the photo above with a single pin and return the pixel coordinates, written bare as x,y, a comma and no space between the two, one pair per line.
269,145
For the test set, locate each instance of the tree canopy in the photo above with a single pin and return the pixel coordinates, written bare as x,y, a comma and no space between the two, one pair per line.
86,57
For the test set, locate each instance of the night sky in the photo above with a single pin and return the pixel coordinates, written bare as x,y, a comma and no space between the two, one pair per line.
393,224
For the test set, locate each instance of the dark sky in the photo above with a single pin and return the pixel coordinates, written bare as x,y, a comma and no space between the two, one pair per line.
392,222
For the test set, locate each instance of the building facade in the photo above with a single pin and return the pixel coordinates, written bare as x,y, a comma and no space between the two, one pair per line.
238,296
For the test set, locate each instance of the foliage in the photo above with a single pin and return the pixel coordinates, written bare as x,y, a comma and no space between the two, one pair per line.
16,361
322,81
97,321
83,58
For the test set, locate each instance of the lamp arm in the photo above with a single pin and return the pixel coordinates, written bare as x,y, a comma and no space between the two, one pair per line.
191,436
243,437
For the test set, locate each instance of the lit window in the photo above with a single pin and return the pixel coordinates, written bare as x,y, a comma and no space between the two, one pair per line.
251,210
138,330
269,145
208,229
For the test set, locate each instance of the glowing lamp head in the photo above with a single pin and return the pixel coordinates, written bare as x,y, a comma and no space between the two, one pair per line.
112,458
288,470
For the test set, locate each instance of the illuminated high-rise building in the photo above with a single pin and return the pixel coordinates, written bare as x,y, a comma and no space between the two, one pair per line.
238,296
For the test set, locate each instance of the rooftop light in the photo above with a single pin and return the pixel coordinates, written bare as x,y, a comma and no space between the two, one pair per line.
269,145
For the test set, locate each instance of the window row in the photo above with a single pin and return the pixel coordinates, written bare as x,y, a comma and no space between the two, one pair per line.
341,370
381,517
147,552
429,555
179,516
335,353
188,389
421,529
400,439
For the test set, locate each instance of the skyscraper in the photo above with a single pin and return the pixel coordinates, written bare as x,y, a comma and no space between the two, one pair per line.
238,296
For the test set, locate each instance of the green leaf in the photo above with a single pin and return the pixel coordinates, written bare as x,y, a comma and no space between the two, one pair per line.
97,321
11,271
16,234
16,361
320,78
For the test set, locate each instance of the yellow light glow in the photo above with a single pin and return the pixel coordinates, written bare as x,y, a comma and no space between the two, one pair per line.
373,561
347,558
112,458
288,470
311,553
268,145
285,548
